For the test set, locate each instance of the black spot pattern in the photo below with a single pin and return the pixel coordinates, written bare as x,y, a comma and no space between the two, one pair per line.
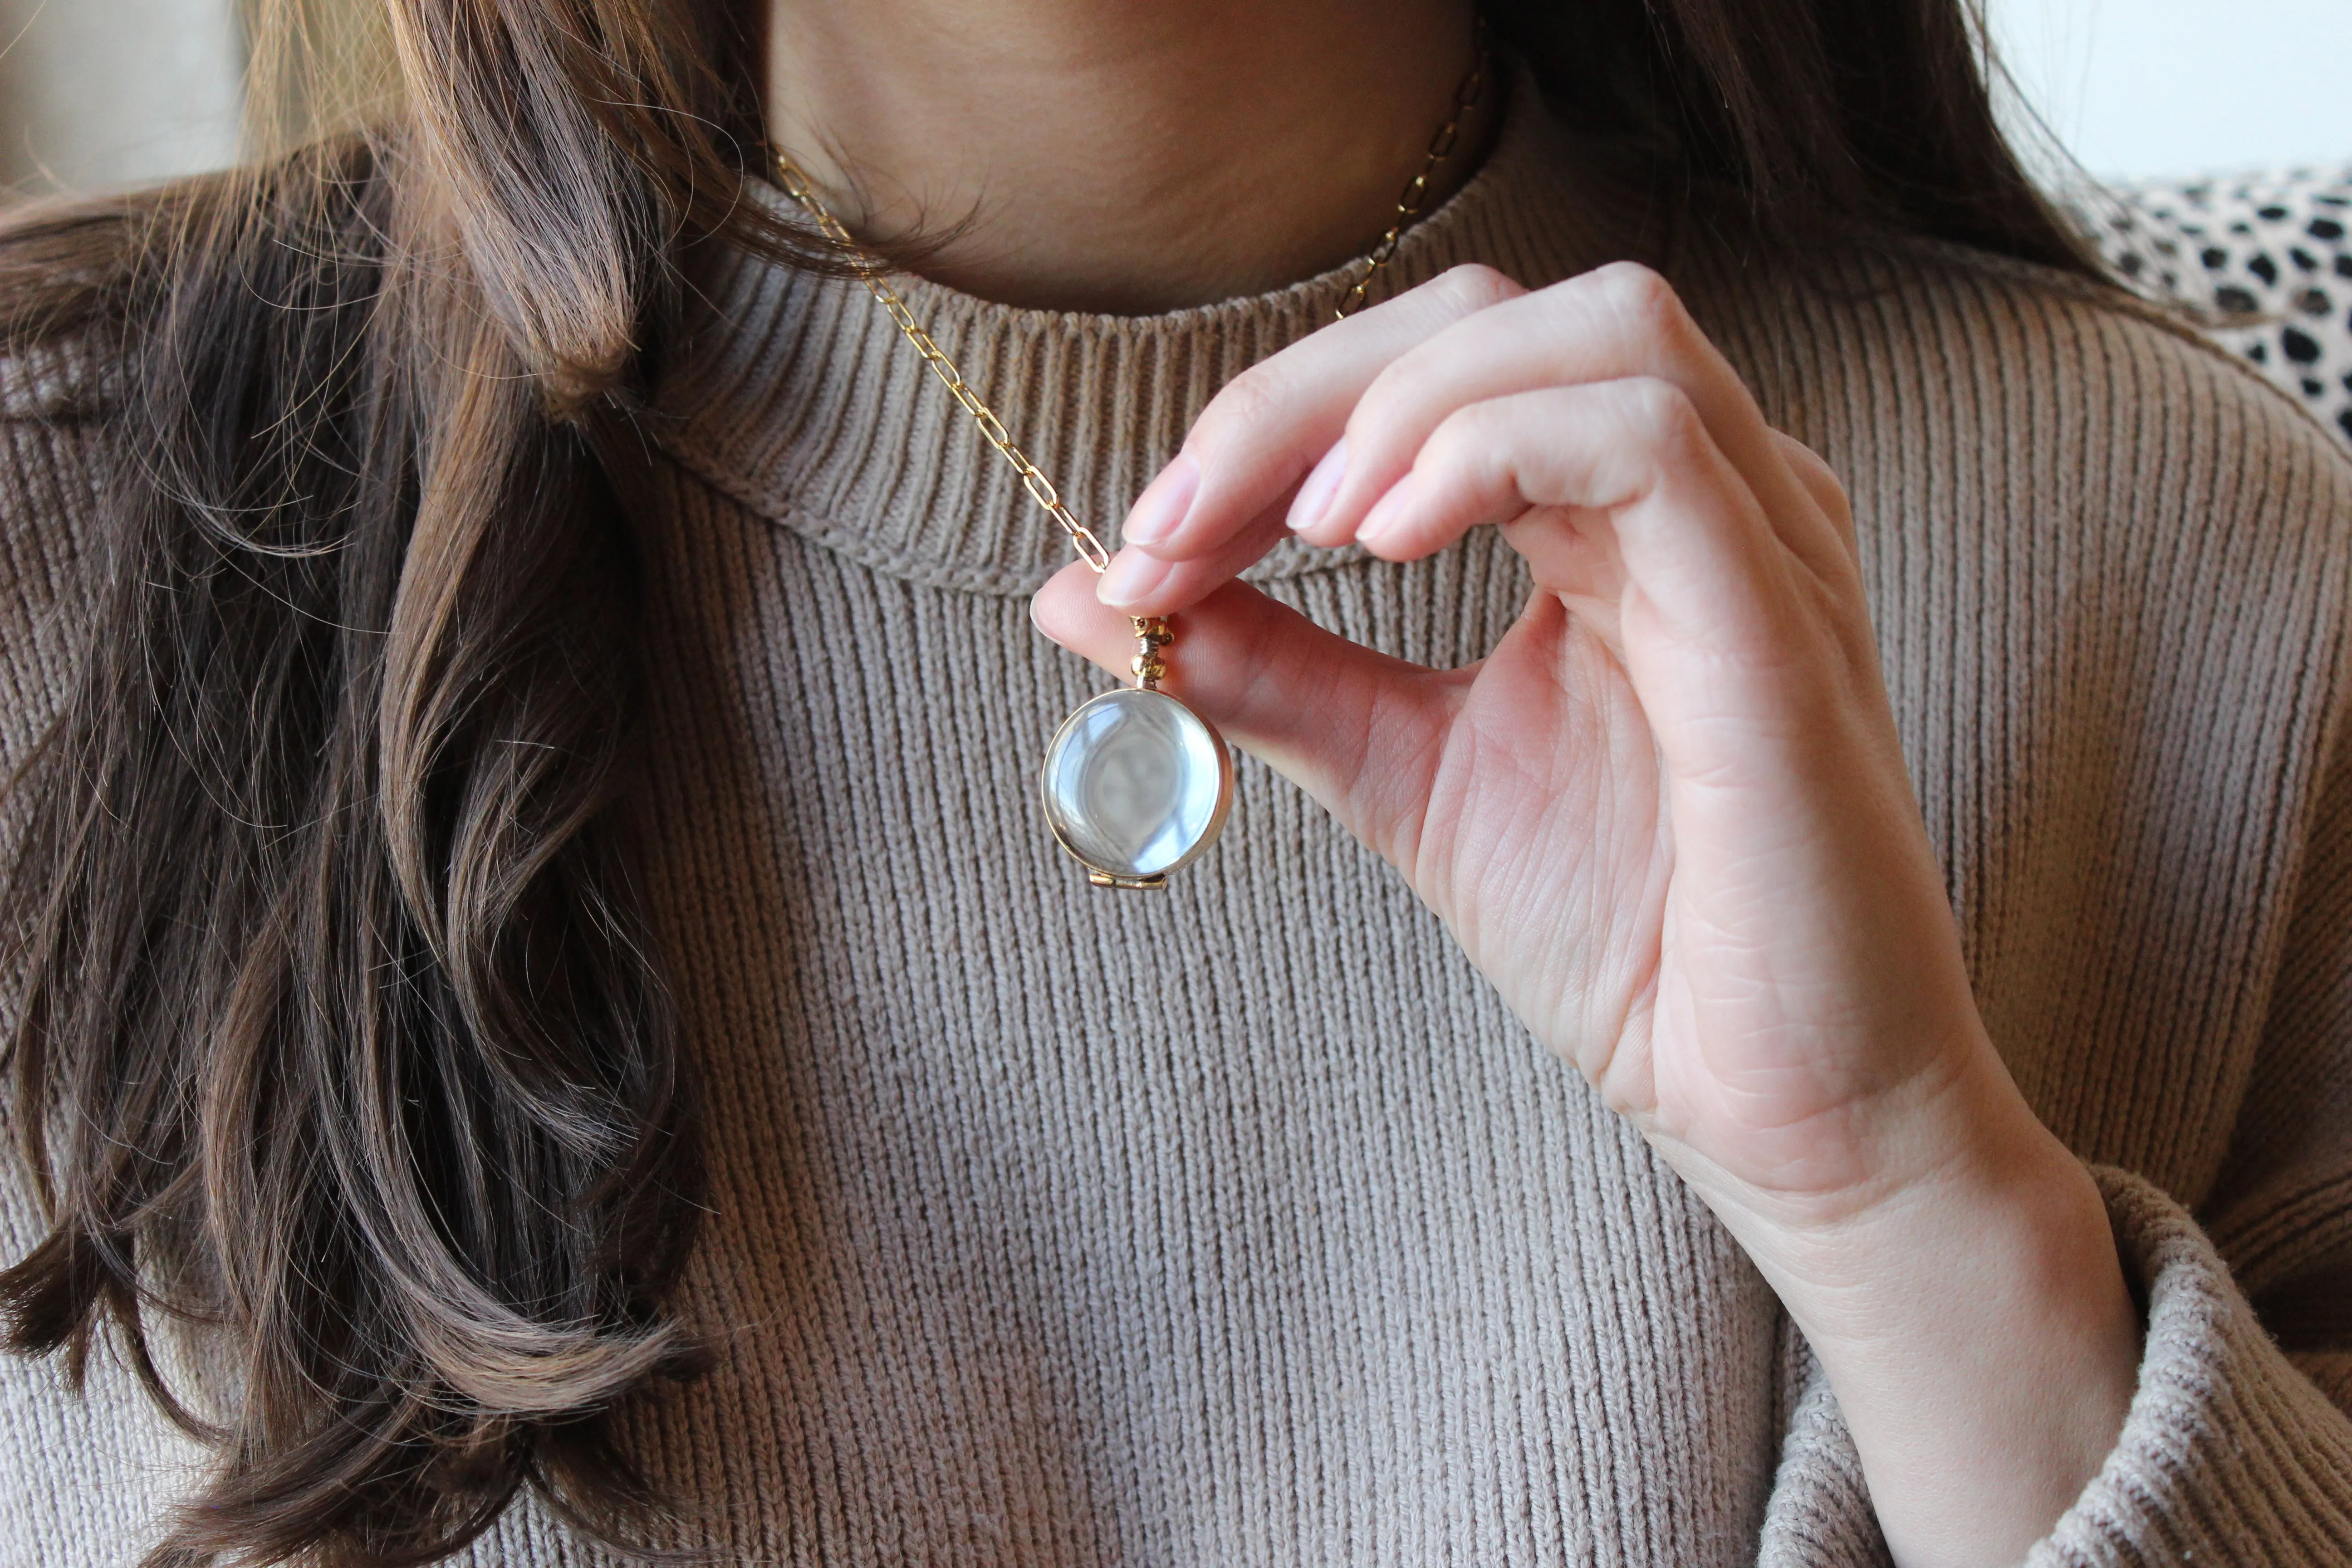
2292,331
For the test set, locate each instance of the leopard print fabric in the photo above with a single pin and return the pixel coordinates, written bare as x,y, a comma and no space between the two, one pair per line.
2267,255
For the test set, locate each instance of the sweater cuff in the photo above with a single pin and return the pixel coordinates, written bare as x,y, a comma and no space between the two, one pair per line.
2230,1454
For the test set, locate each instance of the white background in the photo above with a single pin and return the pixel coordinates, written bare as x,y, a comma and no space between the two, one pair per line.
2185,87
107,92
100,92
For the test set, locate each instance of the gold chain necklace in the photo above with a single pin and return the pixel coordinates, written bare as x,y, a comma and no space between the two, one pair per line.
1135,784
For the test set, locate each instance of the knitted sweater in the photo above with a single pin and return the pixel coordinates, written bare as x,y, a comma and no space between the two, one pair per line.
1243,1223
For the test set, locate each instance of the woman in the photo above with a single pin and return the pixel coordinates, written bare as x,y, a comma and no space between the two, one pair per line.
503,631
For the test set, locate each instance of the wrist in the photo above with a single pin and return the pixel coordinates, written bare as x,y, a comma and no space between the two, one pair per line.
2018,1218
1974,1323
1960,1164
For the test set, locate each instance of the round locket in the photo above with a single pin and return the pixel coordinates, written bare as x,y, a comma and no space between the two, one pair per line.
1136,784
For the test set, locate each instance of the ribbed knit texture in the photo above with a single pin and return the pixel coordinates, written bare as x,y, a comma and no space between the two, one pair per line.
1243,1223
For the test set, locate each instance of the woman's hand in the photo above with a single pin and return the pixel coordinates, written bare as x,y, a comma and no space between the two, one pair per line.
1668,817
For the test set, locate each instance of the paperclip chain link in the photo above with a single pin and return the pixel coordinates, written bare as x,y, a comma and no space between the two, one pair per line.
1416,191
1151,632
991,429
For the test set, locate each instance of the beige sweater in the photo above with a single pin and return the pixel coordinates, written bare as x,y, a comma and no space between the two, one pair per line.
1242,1223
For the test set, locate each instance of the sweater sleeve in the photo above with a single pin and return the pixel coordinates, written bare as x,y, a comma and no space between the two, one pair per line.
2231,1453
2238,1449
85,1475
2238,1445
52,459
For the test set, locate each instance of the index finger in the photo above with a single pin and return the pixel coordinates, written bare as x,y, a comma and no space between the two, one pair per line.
1259,435
1617,321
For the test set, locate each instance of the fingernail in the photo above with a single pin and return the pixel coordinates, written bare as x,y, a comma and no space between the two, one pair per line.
1163,503
1383,519
1313,497
1132,575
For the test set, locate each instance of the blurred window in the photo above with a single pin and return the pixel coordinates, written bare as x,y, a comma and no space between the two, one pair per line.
99,93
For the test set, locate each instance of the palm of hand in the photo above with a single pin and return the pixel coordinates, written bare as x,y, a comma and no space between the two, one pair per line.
1538,832
1531,808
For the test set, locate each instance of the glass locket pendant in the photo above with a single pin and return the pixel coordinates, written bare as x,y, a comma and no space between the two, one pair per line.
1135,784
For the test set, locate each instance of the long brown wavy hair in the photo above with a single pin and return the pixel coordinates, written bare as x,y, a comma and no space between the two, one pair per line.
337,1025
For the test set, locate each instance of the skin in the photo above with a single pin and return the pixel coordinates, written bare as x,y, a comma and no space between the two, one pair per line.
1667,816
1118,155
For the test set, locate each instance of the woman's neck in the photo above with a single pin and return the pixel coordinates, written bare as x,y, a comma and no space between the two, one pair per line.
1121,155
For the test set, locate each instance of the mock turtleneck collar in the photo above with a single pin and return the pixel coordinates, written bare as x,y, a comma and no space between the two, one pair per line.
797,396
